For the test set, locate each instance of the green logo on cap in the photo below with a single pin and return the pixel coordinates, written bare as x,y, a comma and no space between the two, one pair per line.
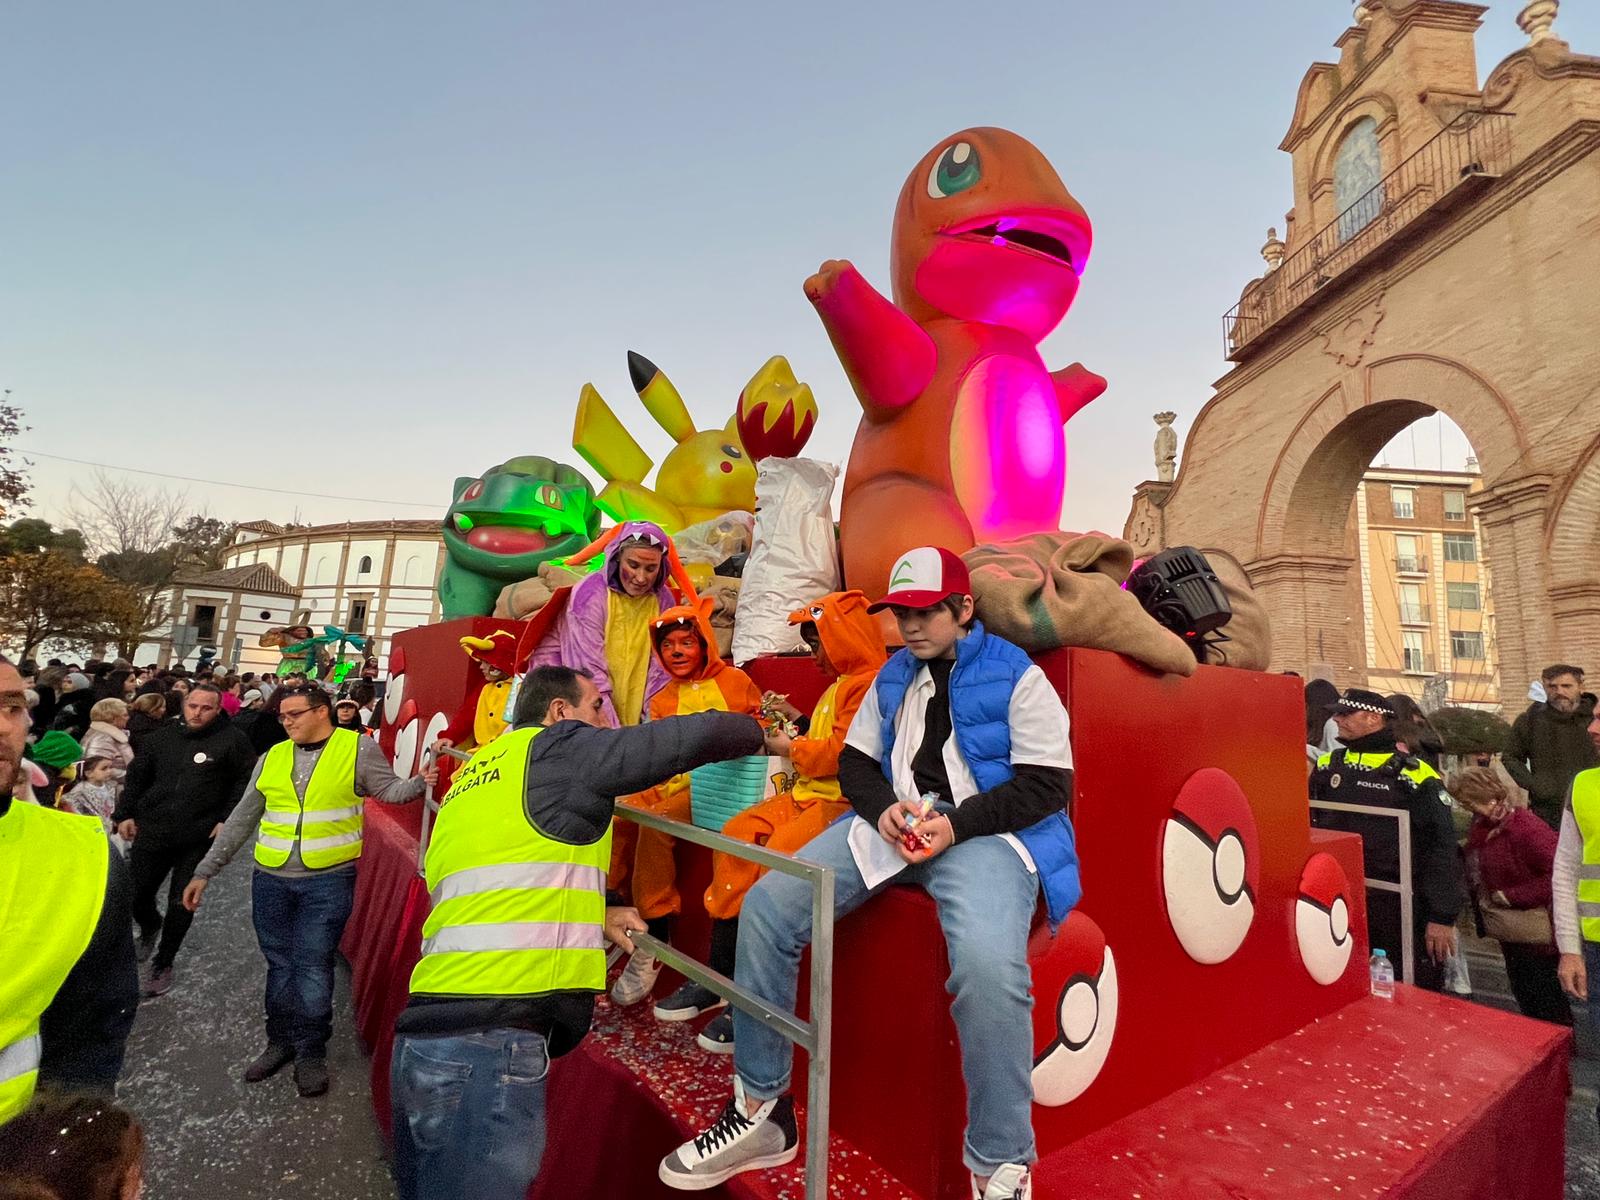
897,579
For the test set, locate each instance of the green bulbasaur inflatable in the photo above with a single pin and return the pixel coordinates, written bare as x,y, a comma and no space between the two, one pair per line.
506,522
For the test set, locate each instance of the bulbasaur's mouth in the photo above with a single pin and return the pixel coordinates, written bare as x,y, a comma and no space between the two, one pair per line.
509,534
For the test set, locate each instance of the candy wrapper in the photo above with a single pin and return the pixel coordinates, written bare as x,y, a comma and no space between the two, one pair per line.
774,719
909,837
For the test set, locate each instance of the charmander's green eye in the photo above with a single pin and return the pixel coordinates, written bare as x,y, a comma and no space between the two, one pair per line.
550,496
956,171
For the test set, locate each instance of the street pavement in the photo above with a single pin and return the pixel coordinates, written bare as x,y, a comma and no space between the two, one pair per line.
209,1134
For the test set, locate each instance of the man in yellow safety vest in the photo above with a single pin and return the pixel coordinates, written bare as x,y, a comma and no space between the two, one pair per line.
304,806
69,982
513,952
1575,888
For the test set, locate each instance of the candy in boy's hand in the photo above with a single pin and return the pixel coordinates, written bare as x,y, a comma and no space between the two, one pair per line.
773,717
913,841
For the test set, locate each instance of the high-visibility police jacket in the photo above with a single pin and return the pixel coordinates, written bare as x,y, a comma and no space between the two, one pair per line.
515,913
53,868
327,821
1586,812
1376,778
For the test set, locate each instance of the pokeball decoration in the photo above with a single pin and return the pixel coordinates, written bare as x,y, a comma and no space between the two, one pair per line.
1211,866
1072,1031
1322,919
405,741
395,692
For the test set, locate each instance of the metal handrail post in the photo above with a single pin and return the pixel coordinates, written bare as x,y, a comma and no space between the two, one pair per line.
815,1036
819,1081
1403,886
430,802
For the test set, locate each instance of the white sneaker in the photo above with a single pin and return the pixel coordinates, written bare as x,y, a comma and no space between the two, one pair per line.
734,1143
1011,1182
637,980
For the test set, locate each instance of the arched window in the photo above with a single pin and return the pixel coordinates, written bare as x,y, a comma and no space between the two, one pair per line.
364,567
413,570
1358,178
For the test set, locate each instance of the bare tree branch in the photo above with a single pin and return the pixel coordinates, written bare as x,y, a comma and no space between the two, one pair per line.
120,517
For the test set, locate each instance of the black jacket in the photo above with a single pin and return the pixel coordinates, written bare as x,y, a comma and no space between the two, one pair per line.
1437,879
575,773
1545,751
140,726
72,713
85,1028
183,782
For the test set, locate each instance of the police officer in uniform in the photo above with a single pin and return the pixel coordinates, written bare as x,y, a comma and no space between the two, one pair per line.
69,983
513,952
1371,770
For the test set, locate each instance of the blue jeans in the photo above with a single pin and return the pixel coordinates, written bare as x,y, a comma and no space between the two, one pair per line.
986,899
299,921
468,1114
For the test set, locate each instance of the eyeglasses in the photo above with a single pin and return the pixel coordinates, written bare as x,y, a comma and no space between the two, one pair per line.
286,717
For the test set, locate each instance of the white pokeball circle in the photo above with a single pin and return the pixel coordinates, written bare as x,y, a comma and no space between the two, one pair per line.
405,749
1228,866
1339,920
1086,1017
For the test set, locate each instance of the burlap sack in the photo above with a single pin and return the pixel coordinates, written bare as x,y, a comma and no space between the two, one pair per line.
1249,644
724,592
521,600
1049,590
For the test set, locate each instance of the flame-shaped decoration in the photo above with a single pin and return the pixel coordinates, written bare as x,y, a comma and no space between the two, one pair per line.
776,412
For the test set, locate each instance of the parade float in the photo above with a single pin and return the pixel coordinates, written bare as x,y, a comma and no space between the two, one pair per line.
1203,1023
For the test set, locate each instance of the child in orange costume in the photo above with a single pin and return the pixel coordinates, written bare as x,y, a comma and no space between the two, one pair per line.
845,641
699,681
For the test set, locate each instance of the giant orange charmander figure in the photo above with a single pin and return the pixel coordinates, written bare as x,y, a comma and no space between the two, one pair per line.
961,427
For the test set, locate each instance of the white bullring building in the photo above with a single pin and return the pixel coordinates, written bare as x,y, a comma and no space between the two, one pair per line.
371,577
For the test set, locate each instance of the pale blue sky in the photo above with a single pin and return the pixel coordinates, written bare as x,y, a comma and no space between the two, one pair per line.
365,247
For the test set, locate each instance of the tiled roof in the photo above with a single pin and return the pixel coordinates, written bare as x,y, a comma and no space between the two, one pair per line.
252,577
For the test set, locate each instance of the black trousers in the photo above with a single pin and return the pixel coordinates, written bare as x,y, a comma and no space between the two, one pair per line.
1532,972
1383,928
149,863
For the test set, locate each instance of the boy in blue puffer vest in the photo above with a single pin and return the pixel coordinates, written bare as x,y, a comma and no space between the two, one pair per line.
968,717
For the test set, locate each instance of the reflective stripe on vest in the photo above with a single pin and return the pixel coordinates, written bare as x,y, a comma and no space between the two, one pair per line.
326,821
514,913
1420,773
53,869
1586,812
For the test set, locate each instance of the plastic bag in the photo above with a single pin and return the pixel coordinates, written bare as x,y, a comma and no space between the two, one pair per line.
795,557
717,540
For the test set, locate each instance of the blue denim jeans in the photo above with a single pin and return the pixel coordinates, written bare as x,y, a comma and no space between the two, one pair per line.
986,899
299,921
468,1114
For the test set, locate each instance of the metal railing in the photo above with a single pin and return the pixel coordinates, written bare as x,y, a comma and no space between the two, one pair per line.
815,1035
1472,149
1415,663
1402,886
1415,614
1411,564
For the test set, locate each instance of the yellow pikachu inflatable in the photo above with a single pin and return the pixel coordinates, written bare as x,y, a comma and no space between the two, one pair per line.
705,475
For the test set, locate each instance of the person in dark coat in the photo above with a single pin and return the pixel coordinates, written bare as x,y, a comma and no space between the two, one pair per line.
181,787
1414,731
1549,744
146,714
72,710
1510,857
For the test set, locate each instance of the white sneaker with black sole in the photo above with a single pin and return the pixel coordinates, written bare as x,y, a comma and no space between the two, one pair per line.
734,1143
637,980
1013,1181
688,1002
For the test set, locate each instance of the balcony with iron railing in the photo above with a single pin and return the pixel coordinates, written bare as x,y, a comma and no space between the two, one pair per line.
1463,158
1411,564
1417,662
1415,614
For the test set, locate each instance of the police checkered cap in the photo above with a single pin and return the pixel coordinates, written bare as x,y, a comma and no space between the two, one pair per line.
1361,700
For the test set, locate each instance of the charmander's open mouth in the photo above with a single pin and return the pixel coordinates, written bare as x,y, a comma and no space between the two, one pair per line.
1048,237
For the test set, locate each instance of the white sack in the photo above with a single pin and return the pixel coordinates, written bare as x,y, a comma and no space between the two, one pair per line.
794,559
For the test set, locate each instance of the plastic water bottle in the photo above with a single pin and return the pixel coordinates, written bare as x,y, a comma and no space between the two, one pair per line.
1382,975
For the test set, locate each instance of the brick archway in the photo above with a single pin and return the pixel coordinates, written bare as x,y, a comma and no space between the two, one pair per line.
1302,556
1572,548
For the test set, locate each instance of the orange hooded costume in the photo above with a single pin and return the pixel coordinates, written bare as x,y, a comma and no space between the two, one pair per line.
853,646
715,686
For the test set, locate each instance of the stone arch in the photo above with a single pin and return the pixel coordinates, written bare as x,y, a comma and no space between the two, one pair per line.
1572,548
1307,497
